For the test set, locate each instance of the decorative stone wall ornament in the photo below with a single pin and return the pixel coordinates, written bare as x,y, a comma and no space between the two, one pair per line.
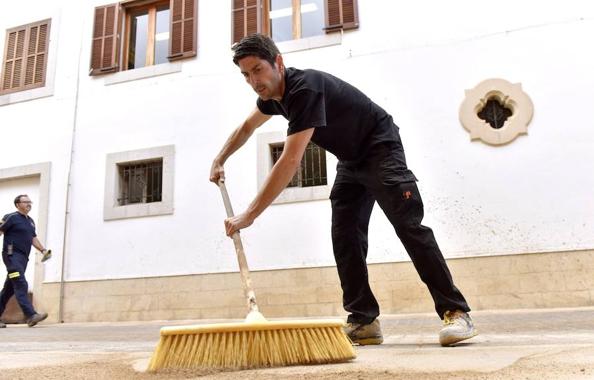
496,111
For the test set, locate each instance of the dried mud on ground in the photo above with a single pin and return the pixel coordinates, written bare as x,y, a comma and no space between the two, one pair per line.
544,366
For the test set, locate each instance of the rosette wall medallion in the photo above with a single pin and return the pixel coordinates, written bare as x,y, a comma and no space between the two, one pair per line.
496,111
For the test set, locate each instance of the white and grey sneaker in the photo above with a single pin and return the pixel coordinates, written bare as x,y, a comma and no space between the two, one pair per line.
364,334
457,327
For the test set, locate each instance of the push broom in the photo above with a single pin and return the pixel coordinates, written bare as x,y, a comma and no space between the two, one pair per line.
254,343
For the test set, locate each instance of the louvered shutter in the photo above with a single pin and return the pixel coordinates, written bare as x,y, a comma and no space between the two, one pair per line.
25,57
13,59
183,31
247,18
106,40
341,14
36,54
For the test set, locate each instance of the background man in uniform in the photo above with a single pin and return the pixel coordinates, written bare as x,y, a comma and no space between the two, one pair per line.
372,167
19,234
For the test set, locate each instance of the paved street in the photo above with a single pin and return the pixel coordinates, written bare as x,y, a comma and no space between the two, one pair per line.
522,344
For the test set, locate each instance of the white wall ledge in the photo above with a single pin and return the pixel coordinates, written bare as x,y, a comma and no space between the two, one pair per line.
142,73
310,43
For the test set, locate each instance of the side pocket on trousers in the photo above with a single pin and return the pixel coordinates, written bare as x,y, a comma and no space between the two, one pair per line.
391,174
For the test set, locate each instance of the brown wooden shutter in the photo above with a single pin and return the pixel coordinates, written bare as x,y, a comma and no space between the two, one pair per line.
36,54
13,59
183,29
247,18
25,57
106,40
341,14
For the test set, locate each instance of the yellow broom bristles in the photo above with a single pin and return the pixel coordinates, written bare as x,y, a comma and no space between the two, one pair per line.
252,345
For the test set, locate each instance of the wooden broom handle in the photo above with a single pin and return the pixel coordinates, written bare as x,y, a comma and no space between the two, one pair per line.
243,266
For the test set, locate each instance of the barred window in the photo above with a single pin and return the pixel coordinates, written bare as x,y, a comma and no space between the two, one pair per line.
313,166
140,182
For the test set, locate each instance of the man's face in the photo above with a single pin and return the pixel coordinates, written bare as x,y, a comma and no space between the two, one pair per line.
263,77
24,205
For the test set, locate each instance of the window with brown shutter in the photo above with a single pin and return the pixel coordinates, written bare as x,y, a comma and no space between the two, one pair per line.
25,57
151,32
284,20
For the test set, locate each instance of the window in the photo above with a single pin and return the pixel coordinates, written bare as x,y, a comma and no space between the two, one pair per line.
25,57
285,20
310,183
139,183
496,111
152,32
313,166
147,36
294,19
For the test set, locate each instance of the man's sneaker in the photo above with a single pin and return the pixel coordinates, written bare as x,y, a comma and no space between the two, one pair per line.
2,325
364,334
36,318
457,327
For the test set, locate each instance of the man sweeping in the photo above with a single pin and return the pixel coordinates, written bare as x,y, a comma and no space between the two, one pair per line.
372,168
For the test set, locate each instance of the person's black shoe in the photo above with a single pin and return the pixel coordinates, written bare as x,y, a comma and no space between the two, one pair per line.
36,318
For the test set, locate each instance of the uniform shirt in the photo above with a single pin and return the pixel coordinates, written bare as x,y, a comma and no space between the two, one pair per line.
19,231
347,123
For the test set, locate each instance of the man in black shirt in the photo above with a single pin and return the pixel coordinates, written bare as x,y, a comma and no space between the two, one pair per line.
372,167
19,234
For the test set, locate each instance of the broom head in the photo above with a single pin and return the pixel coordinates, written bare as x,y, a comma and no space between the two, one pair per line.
252,345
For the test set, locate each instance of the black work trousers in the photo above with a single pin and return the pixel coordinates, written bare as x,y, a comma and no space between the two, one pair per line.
379,177
16,283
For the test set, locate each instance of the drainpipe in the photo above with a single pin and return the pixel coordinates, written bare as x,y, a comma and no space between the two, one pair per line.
68,186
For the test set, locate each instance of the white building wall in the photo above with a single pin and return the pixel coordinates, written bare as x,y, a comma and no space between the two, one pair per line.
413,59
36,125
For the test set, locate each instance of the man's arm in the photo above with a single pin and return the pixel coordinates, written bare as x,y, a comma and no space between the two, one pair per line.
277,180
37,244
236,141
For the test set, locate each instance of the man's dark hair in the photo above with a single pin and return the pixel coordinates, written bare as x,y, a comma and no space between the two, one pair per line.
18,198
257,45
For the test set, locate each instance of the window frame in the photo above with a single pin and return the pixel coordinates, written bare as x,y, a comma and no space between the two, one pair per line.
128,10
111,208
509,95
290,194
295,20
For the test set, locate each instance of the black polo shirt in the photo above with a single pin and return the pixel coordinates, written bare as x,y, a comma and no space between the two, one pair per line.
347,123
19,230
